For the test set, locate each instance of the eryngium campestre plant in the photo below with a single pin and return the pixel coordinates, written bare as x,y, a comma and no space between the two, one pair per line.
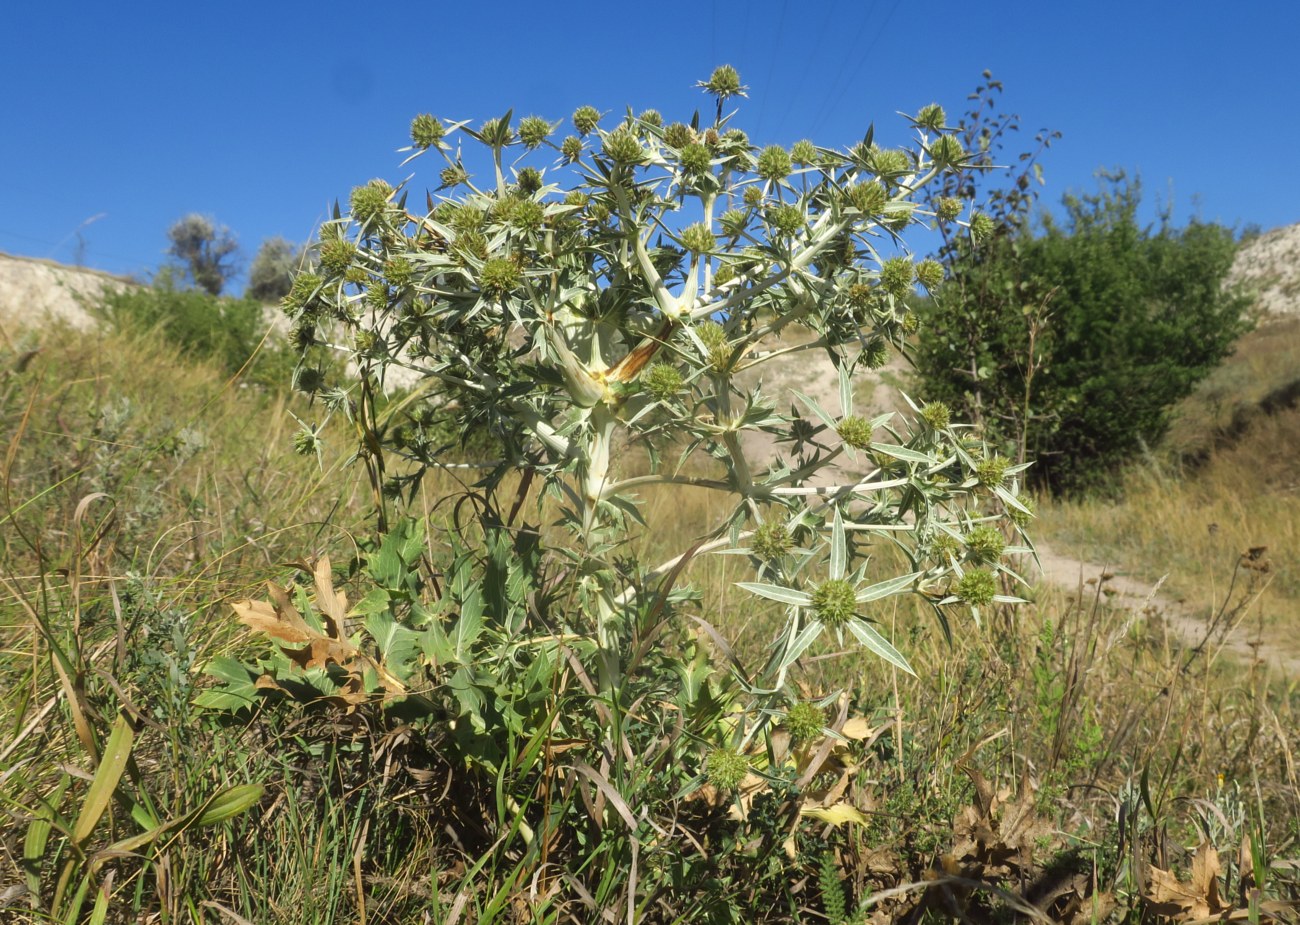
611,289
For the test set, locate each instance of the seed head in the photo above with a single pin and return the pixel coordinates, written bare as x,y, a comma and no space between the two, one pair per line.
651,117
753,195
834,603
981,227
306,441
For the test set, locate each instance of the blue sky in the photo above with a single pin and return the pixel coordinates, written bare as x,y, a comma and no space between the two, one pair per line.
262,114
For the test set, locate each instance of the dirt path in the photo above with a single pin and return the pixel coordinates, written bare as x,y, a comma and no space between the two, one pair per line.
1189,625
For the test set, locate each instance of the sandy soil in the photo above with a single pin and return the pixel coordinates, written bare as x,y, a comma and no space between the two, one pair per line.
34,291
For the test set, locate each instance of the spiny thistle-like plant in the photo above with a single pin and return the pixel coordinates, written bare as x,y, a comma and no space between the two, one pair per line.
612,286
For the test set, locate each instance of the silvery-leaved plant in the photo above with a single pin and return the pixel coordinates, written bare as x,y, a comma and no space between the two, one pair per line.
577,286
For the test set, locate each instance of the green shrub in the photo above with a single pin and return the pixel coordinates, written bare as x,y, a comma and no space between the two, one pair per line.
225,331
1071,345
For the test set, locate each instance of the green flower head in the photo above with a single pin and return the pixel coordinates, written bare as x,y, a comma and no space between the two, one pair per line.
698,239
936,414
834,602
695,158
774,163
497,133
533,130
336,255
977,587
805,721
733,221
498,277
585,118
527,216
622,147
752,196
946,151
662,381
876,353
981,227
985,544
896,275
679,135
867,198
529,180
771,541
453,176
399,272
651,117
992,471
571,148
804,153
726,768
931,117
948,209
786,219
724,83
1019,517
856,432
426,131
929,273
370,202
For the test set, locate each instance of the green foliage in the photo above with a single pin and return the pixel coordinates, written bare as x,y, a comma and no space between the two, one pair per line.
1073,344
226,331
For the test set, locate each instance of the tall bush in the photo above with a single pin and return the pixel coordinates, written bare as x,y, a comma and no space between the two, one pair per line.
1071,342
